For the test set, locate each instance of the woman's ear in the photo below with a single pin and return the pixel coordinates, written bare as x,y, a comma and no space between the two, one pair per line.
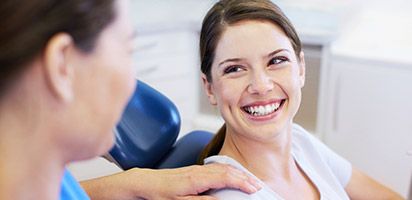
302,69
58,72
207,86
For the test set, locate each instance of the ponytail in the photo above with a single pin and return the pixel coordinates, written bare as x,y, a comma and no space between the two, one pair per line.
214,146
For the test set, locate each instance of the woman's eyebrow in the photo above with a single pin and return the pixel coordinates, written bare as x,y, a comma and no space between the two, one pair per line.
230,60
276,52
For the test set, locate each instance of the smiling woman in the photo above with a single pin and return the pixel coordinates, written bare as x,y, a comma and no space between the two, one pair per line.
253,70
258,83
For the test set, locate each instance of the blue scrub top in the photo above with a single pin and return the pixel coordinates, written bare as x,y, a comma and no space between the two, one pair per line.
70,188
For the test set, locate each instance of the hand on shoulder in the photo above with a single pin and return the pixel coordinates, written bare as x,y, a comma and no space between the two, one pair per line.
180,183
188,182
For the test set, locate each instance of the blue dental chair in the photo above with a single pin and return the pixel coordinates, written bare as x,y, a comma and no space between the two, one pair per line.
147,132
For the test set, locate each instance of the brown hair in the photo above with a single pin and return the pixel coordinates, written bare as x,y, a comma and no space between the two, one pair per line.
27,26
223,14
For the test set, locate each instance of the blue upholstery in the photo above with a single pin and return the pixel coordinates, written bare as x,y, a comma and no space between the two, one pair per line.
186,150
147,131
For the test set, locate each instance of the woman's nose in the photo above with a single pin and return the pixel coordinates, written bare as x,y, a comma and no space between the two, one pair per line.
260,83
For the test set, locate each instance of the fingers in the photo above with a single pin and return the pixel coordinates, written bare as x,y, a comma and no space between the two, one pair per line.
187,182
198,198
217,176
234,178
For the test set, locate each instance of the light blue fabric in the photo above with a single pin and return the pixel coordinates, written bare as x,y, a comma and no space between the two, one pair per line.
70,188
329,172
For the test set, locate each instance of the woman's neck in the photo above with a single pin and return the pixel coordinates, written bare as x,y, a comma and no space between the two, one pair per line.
30,166
268,160
272,162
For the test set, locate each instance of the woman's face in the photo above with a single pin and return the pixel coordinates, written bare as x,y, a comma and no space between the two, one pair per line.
256,79
104,80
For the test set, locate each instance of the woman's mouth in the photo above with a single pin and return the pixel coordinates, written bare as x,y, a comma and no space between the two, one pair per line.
263,109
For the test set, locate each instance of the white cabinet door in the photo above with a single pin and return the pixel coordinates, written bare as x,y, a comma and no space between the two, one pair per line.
369,119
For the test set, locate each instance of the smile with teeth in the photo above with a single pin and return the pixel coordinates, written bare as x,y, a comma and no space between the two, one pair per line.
262,110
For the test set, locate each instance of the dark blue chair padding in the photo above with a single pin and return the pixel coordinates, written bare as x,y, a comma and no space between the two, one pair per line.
186,150
147,129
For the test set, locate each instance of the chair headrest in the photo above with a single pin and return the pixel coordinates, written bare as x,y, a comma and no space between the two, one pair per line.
147,129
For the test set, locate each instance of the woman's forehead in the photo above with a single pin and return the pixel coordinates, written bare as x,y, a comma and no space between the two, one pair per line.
251,36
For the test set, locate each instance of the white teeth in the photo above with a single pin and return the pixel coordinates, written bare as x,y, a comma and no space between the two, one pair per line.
263,110
268,109
252,110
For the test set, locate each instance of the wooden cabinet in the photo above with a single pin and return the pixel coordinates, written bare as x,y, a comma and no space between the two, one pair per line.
367,117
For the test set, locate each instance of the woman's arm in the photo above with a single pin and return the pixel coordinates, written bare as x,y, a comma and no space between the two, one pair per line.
362,187
180,183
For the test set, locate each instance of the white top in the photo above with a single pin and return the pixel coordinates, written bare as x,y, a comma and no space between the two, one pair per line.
329,172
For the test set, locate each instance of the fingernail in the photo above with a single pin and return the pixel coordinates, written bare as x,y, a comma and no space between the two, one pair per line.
258,186
252,189
255,184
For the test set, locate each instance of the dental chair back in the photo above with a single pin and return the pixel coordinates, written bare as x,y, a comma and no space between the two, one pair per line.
147,132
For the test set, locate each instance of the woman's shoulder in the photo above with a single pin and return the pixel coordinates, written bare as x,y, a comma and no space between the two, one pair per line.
227,193
307,144
223,159
302,137
311,151
232,194
299,131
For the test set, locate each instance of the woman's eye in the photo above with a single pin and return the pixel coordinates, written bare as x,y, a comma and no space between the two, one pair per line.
232,69
278,60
